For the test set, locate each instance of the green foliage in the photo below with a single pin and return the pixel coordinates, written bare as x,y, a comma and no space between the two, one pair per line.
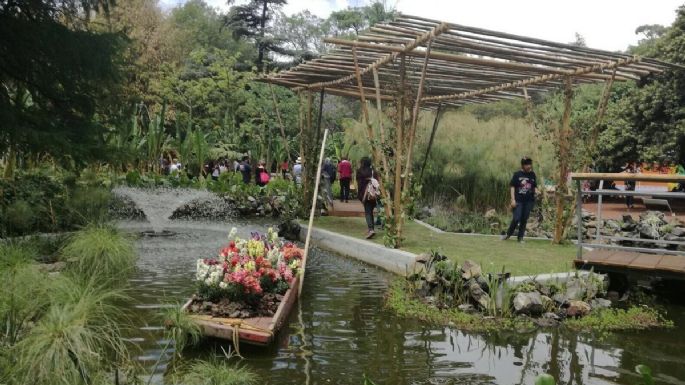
545,379
55,76
24,290
89,205
214,372
646,373
78,336
607,320
181,328
100,251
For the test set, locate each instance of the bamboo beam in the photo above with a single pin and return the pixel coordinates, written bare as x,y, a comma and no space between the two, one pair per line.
534,80
441,27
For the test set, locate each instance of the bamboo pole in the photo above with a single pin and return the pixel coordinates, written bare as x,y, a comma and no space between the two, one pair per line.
415,118
601,109
280,122
397,199
381,129
312,212
438,112
377,155
563,154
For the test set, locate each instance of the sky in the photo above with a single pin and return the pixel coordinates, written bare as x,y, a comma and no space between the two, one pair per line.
605,24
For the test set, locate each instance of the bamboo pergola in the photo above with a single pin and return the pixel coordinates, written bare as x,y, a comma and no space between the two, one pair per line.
415,63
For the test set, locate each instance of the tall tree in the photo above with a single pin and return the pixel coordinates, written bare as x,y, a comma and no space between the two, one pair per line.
254,21
302,34
55,75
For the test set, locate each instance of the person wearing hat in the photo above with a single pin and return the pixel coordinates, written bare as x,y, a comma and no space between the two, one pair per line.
297,171
522,191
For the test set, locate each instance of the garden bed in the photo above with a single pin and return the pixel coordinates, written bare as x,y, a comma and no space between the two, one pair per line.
463,296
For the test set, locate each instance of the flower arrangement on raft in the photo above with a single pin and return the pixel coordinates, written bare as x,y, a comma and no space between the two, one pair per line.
247,270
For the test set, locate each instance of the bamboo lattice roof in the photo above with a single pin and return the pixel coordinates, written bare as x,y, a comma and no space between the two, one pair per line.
463,64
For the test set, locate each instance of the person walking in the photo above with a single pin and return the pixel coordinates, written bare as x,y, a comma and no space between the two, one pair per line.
262,176
328,175
246,170
284,168
630,168
345,171
297,171
522,190
367,195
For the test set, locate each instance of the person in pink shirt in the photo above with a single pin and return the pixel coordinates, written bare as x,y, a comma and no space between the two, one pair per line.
345,171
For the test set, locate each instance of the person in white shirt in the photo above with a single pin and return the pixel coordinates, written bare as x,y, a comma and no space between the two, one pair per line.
297,171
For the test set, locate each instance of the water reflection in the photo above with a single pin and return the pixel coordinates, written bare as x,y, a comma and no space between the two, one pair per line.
340,332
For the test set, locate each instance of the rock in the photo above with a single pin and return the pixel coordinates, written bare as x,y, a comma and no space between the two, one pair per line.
546,322
613,296
492,213
678,231
587,215
470,269
53,267
547,303
550,315
251,199
575,289
656,218
600,303
672,237
578,309
528,303
467,308
612,225
648,231
477,294
591,225
560,298
483,283
423,258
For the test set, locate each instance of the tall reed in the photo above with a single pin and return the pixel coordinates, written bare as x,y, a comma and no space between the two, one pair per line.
100,251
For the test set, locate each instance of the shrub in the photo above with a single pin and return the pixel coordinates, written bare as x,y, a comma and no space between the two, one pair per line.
88,205
100,251
20,217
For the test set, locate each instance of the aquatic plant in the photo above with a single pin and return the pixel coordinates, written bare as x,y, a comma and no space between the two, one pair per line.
180,329
544,379
214,371
606,320
646,373
24,289
101,251
78,337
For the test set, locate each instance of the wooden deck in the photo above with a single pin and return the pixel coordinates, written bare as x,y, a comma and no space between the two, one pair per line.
619,260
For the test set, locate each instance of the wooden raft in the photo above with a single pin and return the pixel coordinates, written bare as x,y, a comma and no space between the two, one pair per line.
254,331
625,260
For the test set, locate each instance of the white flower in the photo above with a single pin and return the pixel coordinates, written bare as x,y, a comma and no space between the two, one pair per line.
223,285
232,233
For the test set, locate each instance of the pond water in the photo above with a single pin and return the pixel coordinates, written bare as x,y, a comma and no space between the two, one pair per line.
341,331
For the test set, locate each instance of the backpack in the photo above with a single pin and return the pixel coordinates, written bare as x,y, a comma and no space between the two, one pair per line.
264,177
373,190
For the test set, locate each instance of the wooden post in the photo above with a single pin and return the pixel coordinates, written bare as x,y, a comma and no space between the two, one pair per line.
579,219
399,134
377,155
563,154
430,140
415,118
312,212
601,109
280,122
381,129
320,116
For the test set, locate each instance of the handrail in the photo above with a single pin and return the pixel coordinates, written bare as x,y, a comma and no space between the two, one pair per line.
623,176
623,193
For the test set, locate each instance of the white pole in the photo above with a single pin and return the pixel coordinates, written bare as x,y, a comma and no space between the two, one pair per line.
312,212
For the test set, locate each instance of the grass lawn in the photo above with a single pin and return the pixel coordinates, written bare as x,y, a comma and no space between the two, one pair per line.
530,258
